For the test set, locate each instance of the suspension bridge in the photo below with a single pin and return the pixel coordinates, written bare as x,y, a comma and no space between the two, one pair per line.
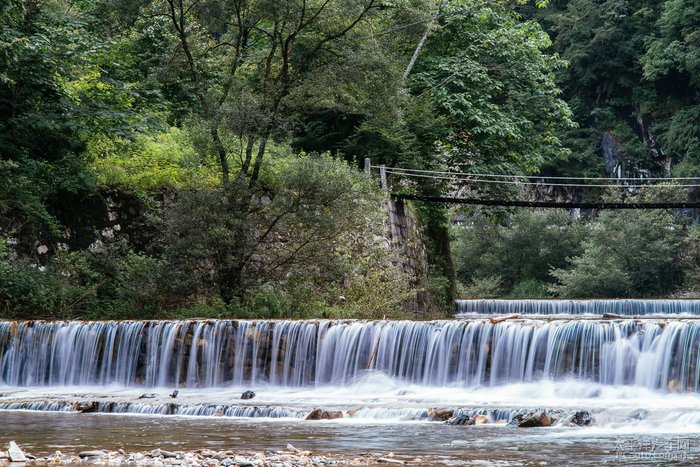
675,188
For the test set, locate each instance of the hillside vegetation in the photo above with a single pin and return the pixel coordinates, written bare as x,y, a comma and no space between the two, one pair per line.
178,158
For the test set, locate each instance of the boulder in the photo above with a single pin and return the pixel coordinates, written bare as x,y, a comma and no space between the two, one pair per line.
465,420
318,414
440,414
149,395
15,453
535,418
581,418
247,395
87,407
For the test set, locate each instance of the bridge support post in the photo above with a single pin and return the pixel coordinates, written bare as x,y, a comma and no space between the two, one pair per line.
382,176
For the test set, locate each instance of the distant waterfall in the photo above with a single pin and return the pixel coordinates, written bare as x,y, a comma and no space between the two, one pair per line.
651,353
579,307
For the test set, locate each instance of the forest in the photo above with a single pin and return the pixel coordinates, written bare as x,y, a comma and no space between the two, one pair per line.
182,158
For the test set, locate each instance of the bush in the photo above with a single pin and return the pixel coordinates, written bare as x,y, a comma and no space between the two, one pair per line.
531,288
484,287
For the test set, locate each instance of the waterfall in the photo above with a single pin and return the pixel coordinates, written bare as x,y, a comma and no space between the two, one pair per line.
653,353
578,307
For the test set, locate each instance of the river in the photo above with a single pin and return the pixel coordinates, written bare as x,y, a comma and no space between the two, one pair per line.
83,385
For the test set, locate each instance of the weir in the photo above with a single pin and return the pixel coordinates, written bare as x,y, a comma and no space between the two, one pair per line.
621,307
659,354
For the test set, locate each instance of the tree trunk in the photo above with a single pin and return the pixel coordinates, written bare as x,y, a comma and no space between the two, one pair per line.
223,159
423,40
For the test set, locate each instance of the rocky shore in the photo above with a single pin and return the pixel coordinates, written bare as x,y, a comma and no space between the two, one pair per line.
14,456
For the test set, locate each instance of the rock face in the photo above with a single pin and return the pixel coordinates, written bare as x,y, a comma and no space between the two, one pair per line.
247,395
405,238
464,420
318,414
15,453
611,149
440,414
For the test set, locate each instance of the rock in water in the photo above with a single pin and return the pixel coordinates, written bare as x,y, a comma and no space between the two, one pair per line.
85,454
465,420
15,453
481,419
581,418
440,414
247,395
640,414
532,419
87,407
174,394
318,414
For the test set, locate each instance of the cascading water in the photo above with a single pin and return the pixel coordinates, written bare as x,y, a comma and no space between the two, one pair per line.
632,376
623,307
662,355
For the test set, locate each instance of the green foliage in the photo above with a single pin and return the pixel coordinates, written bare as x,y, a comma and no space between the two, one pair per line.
483,287
633,72
101,97
486,71
624,254
689,258
217,245
29,290
539,254
151,163
676,47
520,253
683,135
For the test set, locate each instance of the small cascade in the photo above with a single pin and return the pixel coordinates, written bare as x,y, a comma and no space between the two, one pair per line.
579,307
658,354
197,410
248,411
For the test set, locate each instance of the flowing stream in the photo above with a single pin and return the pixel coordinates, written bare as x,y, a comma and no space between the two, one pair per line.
633,365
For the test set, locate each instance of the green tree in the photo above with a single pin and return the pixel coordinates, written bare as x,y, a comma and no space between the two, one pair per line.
487,73
624,254
521,252
38,144
672,63
316,201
